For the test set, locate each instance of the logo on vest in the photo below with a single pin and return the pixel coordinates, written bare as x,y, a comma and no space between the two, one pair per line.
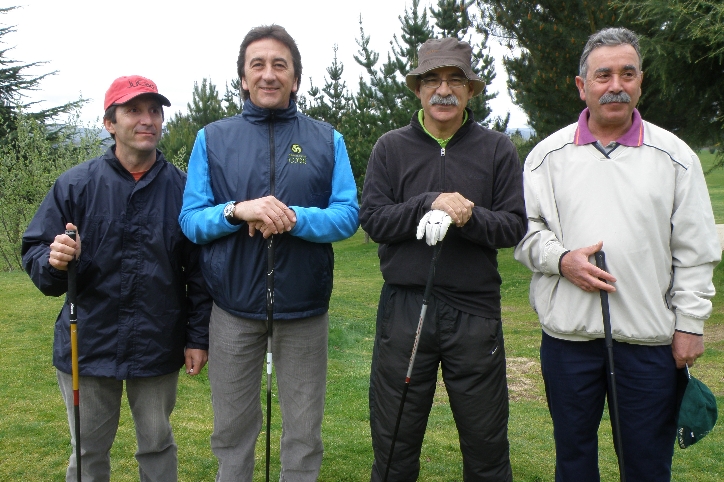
296,156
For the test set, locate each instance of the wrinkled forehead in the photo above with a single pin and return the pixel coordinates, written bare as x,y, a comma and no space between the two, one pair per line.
614,57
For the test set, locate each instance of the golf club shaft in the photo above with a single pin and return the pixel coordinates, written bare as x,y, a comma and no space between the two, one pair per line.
72,295
408,375
613,406
269,337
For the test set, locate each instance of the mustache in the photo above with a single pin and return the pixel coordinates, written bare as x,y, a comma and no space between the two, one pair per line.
447,100
621,97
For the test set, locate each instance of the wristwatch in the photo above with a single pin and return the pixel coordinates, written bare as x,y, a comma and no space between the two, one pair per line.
229,209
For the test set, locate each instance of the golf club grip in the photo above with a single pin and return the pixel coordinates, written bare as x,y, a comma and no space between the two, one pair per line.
601,264
73,315
72,282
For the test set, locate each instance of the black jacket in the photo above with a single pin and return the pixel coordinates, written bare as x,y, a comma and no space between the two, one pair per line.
407,171
141,297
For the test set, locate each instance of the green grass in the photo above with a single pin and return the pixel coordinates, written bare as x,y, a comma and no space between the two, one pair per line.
715,183
34,438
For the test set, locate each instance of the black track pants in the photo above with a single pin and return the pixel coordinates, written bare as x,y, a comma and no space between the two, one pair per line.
471,352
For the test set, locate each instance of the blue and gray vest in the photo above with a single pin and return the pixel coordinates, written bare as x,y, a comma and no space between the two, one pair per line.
253,155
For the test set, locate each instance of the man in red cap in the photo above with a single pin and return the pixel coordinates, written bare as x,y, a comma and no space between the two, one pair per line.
143,311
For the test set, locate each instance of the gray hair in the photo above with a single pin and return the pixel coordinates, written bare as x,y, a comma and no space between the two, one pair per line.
608,37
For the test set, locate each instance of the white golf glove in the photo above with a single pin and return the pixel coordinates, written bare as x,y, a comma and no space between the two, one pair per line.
433,226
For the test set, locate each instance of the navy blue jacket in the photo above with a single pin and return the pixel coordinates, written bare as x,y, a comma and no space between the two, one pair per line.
304,164
141,298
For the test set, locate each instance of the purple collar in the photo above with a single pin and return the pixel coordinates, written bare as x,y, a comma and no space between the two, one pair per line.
633,138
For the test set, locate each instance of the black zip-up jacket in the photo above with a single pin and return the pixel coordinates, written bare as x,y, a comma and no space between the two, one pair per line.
407,171
141,296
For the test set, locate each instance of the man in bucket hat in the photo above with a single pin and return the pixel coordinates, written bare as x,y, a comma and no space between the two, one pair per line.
443,175
143,310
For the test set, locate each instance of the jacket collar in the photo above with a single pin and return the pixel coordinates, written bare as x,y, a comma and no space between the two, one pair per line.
112,160
256,114
633,138
415,122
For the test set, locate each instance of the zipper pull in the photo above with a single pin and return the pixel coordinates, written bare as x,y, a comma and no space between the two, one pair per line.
442,152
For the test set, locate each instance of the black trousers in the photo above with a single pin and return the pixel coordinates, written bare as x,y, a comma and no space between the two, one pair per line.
471,352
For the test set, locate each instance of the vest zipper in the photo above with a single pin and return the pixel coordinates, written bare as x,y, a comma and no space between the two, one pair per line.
272,163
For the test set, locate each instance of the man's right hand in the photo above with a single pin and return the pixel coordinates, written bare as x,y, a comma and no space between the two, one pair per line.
266,211
62,249
578,270
456,206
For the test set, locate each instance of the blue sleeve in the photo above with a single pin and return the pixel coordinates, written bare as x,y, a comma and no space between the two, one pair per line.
340,219
202,218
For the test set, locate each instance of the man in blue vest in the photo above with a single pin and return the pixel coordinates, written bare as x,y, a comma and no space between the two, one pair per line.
269,171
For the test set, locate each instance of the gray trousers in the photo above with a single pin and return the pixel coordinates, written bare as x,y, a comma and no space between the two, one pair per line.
151,400
237,348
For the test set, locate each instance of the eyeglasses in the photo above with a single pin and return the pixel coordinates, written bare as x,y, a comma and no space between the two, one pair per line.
435,82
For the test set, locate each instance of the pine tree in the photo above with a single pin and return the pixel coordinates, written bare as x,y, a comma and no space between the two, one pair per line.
331,103
452,19
684,59
682,48
551,35
232,98
383,101
15,84
180,131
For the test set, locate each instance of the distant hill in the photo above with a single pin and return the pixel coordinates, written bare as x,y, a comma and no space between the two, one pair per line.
526,132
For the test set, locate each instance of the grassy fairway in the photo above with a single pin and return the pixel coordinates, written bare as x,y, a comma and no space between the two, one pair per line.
715,182
34,438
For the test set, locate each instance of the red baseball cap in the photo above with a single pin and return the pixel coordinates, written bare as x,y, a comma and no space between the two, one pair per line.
126,88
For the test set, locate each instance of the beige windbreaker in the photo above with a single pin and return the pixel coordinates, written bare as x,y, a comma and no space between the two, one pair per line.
650,207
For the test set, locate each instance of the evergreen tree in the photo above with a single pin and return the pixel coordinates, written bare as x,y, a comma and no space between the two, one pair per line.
205,107
550,35
15,84
682,49
452,19
332,102
382,101
232,98
684,55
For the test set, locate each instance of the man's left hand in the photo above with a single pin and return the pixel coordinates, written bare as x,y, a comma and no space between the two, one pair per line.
686,348
433,226
195,360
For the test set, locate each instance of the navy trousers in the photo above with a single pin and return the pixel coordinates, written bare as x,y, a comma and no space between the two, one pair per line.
575,376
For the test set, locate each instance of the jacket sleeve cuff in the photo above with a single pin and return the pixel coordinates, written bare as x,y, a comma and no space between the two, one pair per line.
198,346
560,260
689,324
552,254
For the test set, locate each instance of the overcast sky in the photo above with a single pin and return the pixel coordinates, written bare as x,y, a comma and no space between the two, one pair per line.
174,43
